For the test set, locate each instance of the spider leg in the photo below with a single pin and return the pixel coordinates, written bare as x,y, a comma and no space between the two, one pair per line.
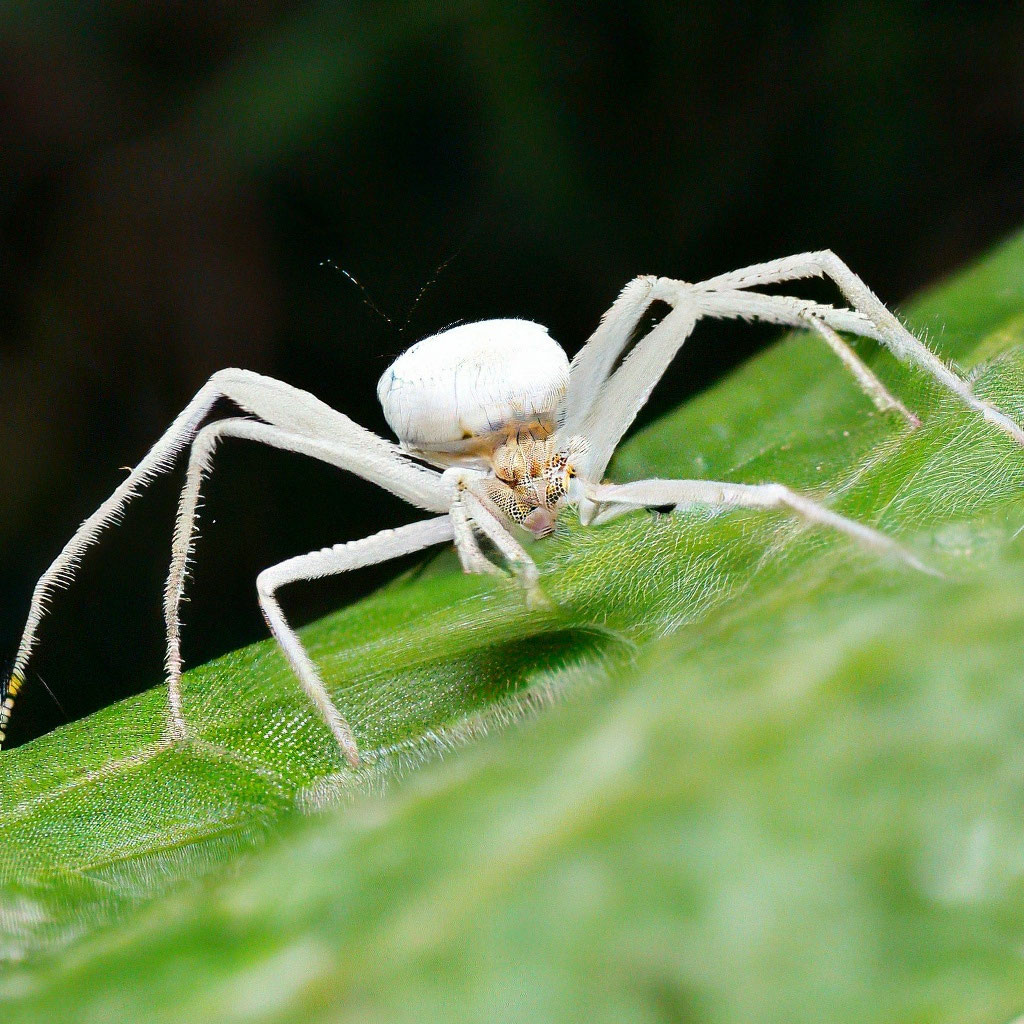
287,407
471,557
344,456
603,402
593,363
826,321
605,415
881,397
483,515
355,554
683,493
903,344
472,507
621,396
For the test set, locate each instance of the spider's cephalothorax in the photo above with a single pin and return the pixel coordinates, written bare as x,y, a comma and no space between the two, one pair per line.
497,431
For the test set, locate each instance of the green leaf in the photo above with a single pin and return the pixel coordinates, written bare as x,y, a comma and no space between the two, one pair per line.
761,774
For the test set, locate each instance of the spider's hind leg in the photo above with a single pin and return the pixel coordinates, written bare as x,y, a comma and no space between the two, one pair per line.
890,331
881,397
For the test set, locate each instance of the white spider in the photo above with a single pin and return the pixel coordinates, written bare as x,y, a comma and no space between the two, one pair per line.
516,433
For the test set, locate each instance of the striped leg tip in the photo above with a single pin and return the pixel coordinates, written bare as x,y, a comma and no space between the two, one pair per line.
15,683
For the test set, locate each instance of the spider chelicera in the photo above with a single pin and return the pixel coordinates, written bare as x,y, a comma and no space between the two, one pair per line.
497,432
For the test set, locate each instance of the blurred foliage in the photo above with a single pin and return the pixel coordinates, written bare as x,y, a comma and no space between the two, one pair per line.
781,782
171,176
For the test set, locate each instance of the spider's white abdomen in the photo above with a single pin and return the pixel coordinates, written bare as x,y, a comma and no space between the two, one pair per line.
455,390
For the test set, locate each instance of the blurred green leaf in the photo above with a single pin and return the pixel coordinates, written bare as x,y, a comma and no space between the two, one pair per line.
783,780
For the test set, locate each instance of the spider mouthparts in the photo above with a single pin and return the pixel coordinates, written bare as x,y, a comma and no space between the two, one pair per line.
540,522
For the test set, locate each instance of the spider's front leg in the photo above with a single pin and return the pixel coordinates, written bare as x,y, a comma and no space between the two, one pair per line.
613,500
473,510
325,447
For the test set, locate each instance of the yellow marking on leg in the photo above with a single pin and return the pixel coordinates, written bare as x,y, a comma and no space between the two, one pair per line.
17,681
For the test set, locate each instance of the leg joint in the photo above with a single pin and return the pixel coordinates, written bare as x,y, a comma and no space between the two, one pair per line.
675,293
267,583
205,442
224,378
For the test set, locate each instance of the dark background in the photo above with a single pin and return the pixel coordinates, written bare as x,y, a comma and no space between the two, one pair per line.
171,176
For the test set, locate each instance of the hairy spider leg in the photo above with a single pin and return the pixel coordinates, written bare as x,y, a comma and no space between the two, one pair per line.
616,499
602,408
593,364
272,400
825,320
605,418
604,402
356,554
347,456
881,397
459,490
900,341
